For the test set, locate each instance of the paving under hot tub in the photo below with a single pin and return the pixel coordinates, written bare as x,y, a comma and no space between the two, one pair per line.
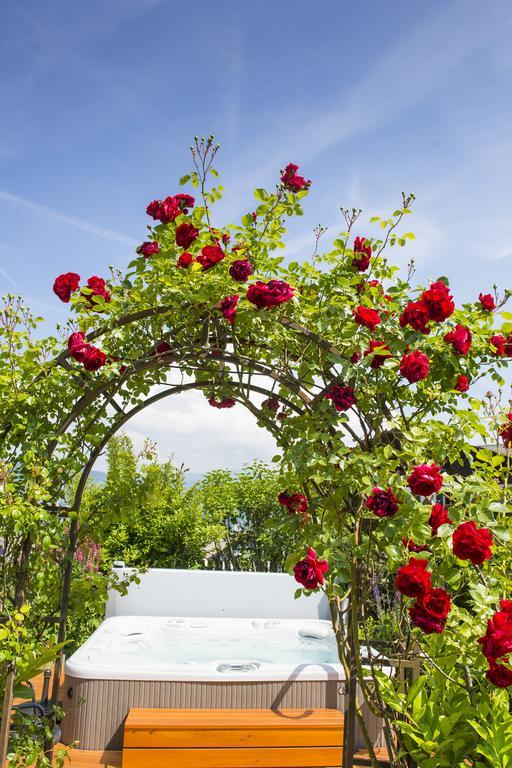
143,661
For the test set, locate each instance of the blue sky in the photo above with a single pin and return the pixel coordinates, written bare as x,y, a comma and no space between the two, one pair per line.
100,102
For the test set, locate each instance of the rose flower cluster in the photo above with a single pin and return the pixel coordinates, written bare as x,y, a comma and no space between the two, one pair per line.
497,645
69,282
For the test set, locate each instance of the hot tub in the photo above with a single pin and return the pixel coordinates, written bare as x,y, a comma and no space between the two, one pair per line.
178,662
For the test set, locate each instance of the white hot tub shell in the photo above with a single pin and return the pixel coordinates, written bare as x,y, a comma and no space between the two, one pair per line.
215,659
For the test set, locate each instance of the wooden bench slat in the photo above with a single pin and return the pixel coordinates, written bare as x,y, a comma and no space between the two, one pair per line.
282,757
142,718
234,737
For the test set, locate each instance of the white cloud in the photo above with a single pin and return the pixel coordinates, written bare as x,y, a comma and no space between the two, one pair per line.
202,437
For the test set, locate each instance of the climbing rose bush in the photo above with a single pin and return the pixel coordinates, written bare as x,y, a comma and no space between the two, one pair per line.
374,388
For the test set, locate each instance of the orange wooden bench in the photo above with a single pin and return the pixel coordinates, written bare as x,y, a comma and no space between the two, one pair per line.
233,738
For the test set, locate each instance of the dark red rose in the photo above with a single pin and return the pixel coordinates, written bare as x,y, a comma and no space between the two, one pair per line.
93,358
65,285
184,201
342,398
487,301
240,270
227,402
310,571
271,294
380,353
462,383
228,308
162,349
367,317
497,641
460,339
226,237
148,248
76,343
438,517
361,261
355,357
414,366
186,233
164,210
271,403
185,260
96,287
210,256
425,479
506,432
416,315
507,350
412,547
499,675
297,502
498,343
438,301
472,543
429,612
292,181
413,580
382,503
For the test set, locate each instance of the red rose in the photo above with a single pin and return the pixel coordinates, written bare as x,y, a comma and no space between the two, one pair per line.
412,547
507,351
438,517
297,502
497,641
164,210
310,571
498,342
472,543
271,403
382,503
76,343
356,356
93,358
499,675
342,398
228,308
367,317
148,248
65,285
506,432
210,256
227,402
487,301
429,612
186,233
380,352
184,201
416,315
162,349
425,479
414,366
361,262
460,339
185,260
97,287
462,383
240,270
413,580
271,294
292,181
438,301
